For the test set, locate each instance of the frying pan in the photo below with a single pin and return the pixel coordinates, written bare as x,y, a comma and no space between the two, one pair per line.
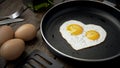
88,12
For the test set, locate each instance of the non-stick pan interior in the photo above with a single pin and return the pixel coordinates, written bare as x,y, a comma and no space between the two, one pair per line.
88,12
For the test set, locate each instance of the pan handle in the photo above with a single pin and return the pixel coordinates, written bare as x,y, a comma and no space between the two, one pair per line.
109,3
115,4
118,4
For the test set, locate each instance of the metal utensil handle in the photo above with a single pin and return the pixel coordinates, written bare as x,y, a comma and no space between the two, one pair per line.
3,18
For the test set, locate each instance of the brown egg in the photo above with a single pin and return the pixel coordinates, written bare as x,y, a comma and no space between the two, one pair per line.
26,32
6,33
12,49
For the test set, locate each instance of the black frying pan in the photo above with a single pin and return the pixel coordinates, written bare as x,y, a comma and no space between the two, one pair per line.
89,12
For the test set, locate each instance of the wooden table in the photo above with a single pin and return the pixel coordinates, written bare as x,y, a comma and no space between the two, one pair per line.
10,6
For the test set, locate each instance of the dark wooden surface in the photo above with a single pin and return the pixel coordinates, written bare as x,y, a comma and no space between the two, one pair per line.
10,6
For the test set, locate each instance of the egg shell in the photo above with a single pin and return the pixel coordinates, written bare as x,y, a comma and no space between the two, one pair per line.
26,32
12,49
6,33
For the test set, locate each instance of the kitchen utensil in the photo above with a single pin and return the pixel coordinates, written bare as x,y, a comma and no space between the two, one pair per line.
38,59
89,12
14,15
7,21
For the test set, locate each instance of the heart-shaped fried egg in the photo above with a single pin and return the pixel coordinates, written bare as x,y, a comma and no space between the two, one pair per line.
80,35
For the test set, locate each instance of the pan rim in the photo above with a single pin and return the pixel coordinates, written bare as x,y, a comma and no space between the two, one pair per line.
68,56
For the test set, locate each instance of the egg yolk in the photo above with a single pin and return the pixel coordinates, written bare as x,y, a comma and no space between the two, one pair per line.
92,35
75,29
